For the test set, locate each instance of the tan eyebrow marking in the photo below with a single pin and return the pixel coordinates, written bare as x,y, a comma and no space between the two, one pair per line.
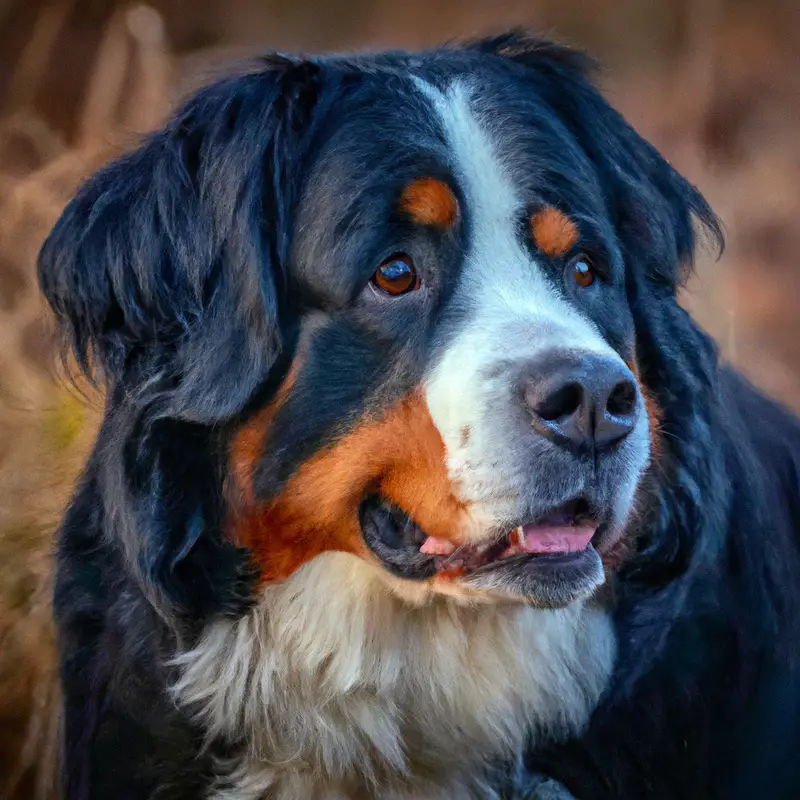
554,233
430,202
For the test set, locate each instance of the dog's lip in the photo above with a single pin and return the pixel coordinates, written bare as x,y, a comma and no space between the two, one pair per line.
531,538
555,549
560,533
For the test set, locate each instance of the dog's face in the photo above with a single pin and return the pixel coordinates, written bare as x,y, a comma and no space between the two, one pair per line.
461,407
411,322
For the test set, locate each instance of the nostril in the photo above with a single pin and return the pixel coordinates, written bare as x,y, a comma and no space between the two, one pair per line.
582,402
622,400
563,402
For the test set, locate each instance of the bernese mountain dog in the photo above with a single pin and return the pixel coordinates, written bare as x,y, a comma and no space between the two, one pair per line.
414,479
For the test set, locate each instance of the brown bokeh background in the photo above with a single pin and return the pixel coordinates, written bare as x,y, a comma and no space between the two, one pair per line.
715,84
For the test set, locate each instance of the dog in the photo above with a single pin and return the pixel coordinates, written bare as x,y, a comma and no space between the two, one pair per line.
414,479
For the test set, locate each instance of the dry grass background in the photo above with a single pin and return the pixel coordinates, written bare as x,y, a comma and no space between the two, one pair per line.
714,83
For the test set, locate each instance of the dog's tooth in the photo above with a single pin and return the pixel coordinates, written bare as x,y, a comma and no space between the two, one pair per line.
517,538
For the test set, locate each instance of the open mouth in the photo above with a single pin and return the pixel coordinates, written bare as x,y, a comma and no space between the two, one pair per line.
549,561
568,529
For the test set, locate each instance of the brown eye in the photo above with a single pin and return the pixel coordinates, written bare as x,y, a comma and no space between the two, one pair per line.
397,276
583,272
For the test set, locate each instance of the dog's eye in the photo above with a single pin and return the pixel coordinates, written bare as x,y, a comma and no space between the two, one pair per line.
397,275
582,271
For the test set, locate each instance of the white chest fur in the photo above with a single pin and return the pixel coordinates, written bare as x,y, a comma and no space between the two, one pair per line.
334,686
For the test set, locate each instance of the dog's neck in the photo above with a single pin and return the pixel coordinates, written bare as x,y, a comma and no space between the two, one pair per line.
334,682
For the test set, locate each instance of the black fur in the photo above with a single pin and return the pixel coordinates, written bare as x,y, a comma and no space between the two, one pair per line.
705,699
185,274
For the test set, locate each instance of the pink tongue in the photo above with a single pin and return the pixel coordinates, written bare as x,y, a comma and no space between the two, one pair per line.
556,538
437,547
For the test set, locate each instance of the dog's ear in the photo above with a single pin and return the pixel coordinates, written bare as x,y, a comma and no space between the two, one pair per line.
655,209
166,273
167,265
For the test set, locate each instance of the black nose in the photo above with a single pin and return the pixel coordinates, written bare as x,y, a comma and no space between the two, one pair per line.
583,402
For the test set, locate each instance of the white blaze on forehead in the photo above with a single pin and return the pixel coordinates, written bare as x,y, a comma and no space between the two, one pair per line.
499,273
515,312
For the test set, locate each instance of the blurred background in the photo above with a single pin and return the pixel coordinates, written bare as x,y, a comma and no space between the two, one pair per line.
715,84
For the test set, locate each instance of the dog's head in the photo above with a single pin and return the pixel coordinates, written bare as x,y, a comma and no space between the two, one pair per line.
394,306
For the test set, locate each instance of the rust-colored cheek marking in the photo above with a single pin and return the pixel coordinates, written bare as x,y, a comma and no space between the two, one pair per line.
553,232
249,443
654,413
399,456
430,202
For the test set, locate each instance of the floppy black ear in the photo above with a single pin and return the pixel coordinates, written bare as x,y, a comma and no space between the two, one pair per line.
166,273
655,208
168,262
